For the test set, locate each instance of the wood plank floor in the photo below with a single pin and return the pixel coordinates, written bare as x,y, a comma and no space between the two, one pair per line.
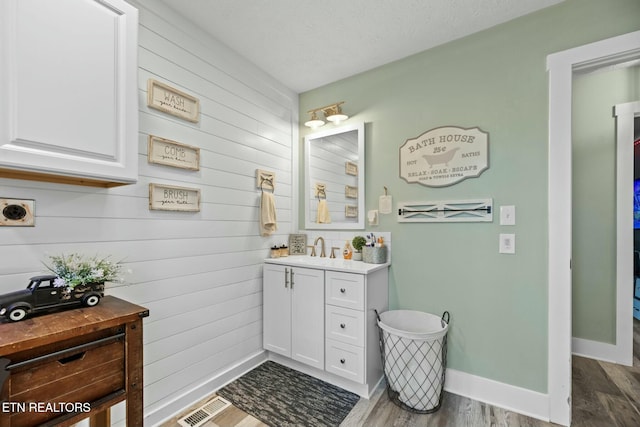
604,395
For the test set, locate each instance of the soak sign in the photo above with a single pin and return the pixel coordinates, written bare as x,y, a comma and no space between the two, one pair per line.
444,156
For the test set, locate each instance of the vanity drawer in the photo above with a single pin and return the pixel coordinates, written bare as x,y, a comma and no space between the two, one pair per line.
345,290
344,325
345,360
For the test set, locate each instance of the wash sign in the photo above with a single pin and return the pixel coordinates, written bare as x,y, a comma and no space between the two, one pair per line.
444,156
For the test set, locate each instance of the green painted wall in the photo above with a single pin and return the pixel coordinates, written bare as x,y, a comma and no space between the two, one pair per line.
496,80
594,199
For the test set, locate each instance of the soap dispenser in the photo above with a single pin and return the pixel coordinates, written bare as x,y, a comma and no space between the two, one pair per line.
347,253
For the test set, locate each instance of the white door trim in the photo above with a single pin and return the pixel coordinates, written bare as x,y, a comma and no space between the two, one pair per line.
625,115
561,66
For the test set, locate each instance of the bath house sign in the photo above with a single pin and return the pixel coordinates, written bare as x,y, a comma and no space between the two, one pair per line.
444,156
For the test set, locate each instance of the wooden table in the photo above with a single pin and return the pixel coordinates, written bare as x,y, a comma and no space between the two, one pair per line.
59,368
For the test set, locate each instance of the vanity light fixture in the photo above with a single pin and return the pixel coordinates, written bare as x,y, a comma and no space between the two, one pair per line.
332,113
315,122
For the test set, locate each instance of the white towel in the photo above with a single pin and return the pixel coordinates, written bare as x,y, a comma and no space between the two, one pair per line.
267,214
324,217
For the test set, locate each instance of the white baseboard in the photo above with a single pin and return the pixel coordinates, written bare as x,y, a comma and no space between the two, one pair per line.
597,350
527,402
516,399
169,410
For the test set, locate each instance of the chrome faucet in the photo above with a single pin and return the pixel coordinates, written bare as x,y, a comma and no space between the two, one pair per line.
322,254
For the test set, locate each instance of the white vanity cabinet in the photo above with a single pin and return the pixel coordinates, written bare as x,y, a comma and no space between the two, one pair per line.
68,91
338,315
345,326
351,332
293,304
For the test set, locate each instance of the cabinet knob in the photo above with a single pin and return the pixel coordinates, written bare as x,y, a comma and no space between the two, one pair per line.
342,361
342,325
343,290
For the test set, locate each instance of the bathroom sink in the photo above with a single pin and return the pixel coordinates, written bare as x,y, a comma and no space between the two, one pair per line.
308,260
325,263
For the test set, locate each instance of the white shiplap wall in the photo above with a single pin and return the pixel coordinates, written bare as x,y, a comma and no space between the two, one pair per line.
198,273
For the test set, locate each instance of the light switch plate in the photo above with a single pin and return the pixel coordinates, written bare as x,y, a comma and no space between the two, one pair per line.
507,243
17,212
508,215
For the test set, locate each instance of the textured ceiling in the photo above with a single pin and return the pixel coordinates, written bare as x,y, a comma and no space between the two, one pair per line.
306,44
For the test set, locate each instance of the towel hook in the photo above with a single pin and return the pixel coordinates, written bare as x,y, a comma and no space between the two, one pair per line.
263,176
268,180
320,191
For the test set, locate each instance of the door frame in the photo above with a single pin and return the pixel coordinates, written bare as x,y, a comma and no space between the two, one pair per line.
625,116
561,67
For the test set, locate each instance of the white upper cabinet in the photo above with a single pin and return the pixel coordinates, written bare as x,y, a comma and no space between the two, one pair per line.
68,90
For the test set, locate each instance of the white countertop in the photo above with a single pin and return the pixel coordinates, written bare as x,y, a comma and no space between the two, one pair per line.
335,264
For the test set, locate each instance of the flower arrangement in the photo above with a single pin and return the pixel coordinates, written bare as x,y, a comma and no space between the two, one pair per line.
74,269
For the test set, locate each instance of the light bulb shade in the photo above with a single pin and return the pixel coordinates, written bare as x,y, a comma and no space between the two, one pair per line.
334,114
314,123
337,117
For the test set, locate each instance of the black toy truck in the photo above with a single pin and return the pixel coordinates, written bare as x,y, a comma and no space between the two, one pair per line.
41,294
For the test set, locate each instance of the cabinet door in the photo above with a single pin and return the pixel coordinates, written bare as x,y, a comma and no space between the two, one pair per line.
68,88
307,316
276,308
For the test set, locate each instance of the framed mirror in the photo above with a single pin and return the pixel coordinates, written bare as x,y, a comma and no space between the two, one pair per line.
334,178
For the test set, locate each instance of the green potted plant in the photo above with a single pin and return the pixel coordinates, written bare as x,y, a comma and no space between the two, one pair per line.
358,242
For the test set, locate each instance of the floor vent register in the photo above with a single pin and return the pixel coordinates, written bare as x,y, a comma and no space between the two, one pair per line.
204,413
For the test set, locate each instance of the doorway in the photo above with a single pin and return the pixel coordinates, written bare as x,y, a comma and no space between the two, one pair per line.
626,117
561,67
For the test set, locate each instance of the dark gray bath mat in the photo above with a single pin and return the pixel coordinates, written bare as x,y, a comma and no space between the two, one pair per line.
280,396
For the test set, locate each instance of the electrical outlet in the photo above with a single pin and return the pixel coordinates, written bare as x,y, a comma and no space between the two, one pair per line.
17,212
507,244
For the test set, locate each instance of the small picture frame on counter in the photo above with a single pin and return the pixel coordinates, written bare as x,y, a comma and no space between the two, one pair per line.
297,244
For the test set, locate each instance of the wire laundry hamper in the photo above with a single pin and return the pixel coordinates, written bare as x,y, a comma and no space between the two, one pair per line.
413,345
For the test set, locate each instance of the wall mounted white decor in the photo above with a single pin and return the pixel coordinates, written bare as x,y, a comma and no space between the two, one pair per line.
170,198
171,153
385,203
173,101
372,216
473,210
444,156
